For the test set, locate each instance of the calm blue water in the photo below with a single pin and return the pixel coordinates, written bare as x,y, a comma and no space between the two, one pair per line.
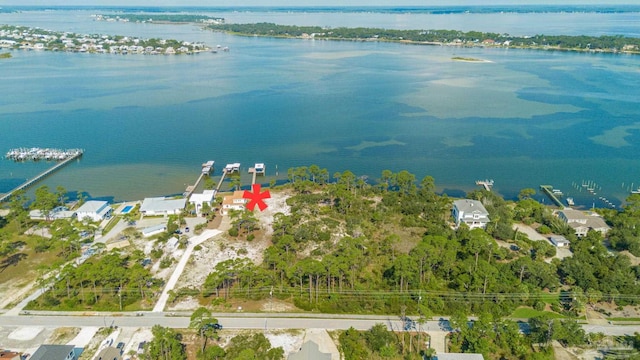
523,118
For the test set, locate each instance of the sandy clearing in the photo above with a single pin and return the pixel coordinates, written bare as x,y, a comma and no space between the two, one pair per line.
84,336
25,333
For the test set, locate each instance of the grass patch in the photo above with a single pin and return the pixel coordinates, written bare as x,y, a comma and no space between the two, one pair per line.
5,55
527,313
111,224
631,319
459,58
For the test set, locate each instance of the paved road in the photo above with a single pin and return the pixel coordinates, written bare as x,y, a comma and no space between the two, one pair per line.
254,321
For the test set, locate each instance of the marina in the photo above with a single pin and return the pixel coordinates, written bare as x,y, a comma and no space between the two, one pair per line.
69,158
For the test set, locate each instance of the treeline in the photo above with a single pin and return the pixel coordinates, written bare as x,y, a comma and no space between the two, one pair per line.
177,18
605,43
358,246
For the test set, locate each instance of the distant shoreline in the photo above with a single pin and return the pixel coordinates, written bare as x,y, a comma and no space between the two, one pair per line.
586,44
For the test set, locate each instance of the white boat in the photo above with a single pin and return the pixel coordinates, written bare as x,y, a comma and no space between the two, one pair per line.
570,201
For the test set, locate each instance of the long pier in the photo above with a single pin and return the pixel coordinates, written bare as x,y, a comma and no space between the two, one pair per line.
548,190
41,176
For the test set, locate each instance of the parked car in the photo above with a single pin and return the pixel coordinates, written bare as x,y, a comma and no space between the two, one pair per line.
120,345
186,229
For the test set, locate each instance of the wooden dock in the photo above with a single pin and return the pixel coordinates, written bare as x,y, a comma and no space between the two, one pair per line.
258,169
224,173
548,190
41,176
486,184
207,168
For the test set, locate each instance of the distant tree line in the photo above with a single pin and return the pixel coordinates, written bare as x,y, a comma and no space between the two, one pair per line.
604,43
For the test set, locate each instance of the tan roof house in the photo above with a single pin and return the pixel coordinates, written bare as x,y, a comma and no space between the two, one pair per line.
233,202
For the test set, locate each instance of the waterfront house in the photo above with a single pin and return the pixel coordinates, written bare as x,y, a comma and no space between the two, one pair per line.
233,202
583,222
470,212
198,200
94,210
60,212
161,206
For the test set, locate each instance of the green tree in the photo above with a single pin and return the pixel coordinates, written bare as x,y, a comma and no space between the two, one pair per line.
166,345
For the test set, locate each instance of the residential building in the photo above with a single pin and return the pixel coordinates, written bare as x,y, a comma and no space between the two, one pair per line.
161,206
233,202
54,352
60,212
152,230
470,212
94,210
207,197
582,222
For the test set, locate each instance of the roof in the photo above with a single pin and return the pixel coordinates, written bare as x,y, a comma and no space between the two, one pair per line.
573,215
109,353
154,228
94,206
459,356
309,351
10,355
52,352
229,200
559,239
161,204
206,196
470,206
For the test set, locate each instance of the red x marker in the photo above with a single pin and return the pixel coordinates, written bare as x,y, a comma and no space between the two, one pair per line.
256,197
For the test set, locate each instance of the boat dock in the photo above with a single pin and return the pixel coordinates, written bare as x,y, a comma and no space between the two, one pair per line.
207,168
257,169
486,184
75,155
230,168
552,194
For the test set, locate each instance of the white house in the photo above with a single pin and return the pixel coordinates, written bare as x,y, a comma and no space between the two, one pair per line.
60,212
470,212
161,206
95,210
458,356
233,202
198,200
583,222
155,229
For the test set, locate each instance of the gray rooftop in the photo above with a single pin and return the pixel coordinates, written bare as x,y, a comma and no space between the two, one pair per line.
459,356
52,352
469,206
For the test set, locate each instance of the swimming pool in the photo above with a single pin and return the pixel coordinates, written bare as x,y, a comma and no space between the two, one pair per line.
126,209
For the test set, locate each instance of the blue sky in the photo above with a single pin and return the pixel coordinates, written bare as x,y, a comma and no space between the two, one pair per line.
311,2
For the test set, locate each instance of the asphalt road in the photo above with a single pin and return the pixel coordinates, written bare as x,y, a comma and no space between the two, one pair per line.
254,321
